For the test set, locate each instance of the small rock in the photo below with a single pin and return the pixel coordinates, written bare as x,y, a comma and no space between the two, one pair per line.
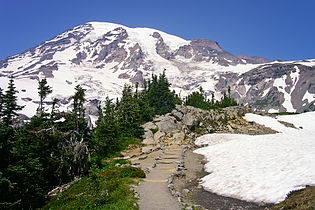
147,170
185,191
144,157
171,186
178,194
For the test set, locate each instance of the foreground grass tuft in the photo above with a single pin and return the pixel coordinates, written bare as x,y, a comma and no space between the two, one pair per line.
300,199
106,188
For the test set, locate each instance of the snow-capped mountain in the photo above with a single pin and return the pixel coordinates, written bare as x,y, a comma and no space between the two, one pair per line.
102,57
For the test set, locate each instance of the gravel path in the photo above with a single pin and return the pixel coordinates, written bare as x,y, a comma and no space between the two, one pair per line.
153,191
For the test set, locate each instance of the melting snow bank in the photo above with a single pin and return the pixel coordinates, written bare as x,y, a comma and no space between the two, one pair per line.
262,168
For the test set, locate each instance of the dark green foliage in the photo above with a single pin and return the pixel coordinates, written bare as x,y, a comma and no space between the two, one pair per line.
130,113
9,105
105,138
41,154
132,172
8,119
159,95
1,101
226,101
154,130
43,91
198,100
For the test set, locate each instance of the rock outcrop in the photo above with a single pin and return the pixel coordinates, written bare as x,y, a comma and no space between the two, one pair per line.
186,122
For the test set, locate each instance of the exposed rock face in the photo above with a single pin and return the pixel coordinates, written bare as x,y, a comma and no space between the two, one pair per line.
161,48
252,59
278,86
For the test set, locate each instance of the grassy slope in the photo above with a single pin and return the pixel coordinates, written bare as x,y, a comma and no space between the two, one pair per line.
107,188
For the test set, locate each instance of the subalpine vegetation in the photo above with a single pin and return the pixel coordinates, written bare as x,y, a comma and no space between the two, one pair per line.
198,99
55,147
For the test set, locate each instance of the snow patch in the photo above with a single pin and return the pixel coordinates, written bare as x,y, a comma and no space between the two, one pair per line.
281,84
263,168
309,97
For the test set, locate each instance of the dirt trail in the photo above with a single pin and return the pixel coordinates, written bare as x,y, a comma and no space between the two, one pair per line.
153,191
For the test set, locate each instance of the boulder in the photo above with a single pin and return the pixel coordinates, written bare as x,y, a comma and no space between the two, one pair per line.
167,124
148,126
182,109
178,137
178,115
190,120
148,137
158,135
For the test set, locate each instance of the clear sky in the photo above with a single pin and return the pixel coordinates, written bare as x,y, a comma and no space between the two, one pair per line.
274,29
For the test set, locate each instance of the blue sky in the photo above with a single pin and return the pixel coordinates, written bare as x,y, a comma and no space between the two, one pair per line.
274,29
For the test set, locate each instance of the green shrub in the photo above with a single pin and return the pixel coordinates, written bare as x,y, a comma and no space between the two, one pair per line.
132,172
154,130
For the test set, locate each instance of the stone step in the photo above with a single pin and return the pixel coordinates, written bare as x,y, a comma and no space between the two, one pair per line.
156,180
167,162
171,157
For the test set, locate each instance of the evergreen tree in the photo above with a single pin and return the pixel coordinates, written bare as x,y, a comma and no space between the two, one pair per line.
10,107
53,109
129,113
1,103
43,91
198,100
159,95
105,139
80,126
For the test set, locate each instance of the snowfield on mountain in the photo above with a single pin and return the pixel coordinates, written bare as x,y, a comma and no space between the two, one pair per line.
262,168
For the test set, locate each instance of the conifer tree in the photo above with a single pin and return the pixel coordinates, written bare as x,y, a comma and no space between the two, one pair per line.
105,138
8,115
198,100
129,113
159,94
10,106
1,103
79,111
43,91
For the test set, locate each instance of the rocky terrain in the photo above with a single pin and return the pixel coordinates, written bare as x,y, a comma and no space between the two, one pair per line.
187,123
102,57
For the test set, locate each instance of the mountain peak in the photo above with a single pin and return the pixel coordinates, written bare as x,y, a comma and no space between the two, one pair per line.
102,57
